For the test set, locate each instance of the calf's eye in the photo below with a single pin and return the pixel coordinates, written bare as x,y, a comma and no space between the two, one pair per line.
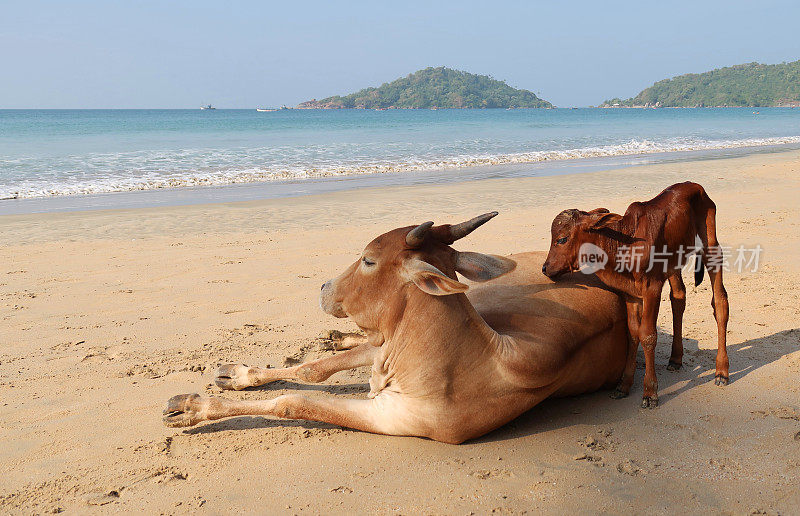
368,263
562,240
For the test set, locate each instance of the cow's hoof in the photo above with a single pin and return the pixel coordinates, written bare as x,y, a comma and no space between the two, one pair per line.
650,402
617,394
233,377
334,340
184,410
674,366
721,380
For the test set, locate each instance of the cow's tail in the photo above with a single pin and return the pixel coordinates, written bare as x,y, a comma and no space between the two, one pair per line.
699,266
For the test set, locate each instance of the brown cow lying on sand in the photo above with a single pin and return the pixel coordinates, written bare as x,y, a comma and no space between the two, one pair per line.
446,365
651,239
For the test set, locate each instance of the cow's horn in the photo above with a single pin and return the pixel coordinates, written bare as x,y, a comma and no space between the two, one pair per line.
465,228
416,236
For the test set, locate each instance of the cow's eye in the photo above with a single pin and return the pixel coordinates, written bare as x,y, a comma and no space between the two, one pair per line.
367,262
562,240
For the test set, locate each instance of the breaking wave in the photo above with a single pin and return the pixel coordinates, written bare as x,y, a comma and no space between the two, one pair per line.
148,170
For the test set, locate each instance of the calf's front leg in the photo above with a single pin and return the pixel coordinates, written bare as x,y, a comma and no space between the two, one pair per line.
237,376
634,309
649,337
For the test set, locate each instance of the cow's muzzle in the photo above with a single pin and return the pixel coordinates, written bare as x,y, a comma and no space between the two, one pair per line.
329,302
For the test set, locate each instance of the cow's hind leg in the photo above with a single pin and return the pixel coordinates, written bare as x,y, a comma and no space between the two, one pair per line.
677,297
377,415
238,376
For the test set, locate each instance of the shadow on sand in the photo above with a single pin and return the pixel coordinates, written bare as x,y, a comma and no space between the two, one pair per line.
698,368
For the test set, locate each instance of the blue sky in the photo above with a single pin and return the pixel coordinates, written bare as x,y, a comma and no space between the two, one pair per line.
105,54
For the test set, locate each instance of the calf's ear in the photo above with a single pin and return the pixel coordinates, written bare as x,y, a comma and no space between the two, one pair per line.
604,220
430,279
483,267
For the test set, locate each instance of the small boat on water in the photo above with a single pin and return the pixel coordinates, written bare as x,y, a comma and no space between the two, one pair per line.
209,106
265,110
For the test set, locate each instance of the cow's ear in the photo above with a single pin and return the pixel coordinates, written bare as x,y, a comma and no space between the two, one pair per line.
483,267
603,221
598,210
430,279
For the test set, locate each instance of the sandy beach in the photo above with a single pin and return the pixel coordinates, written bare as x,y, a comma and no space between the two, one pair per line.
106,314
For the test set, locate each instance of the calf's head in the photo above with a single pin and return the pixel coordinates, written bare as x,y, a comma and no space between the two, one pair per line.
376,287
569,231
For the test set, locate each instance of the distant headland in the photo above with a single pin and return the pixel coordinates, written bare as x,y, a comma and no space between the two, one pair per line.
745,85
434,88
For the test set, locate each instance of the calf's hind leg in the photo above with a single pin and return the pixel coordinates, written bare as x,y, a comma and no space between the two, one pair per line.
237,376
677,298
707,231
719,301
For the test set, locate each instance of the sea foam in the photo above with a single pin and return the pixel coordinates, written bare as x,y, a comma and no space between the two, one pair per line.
148,170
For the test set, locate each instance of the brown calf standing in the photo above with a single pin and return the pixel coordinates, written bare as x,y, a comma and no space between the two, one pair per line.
652,238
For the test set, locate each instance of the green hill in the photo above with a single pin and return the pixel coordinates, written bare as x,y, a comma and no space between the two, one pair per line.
434,88
752,84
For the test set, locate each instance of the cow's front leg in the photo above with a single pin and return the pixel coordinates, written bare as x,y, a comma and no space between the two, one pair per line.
237,376
346,340
376,416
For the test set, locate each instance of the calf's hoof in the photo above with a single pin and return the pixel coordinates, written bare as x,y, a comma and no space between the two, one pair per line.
233,377
622,389
721,379
650,402
674,366
184,410
617,394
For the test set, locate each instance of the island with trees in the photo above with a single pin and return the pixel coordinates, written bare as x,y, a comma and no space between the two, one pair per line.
745,85
434,88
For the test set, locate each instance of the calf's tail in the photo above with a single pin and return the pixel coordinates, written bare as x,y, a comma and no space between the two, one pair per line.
705,219
698,268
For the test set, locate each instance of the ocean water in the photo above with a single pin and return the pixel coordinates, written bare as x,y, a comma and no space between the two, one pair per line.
46,153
